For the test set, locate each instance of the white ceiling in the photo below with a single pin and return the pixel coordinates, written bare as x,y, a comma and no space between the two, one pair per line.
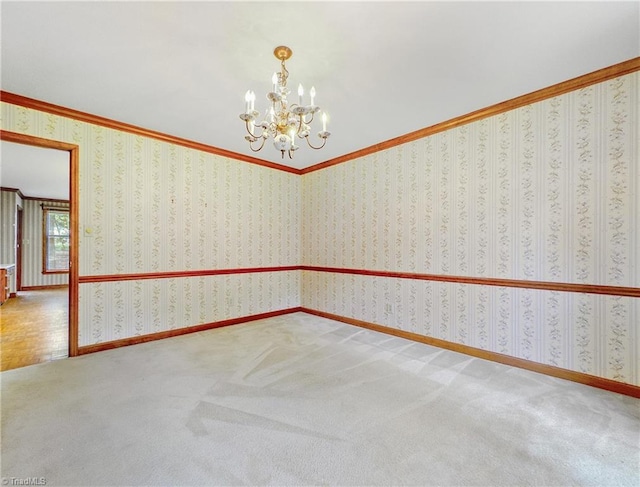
381,69
36,172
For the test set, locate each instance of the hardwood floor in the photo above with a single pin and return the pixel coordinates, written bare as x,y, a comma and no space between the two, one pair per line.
34,328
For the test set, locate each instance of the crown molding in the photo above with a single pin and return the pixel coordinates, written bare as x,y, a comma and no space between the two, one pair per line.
43,106
604,74
615,71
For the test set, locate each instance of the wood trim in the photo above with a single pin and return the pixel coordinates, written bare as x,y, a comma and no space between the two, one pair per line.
633,292
195,273
43,242
47,200
19,238
621,69
43,106
74,187
99,347
590,380
74,252
43,288
35,141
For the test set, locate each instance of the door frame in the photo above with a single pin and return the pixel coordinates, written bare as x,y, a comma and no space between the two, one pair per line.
74,162
19,249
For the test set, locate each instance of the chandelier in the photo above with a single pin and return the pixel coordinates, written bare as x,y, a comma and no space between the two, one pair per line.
283,119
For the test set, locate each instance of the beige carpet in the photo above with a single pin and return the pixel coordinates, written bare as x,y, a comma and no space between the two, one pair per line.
301,400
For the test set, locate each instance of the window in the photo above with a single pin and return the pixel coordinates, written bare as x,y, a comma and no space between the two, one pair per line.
55,237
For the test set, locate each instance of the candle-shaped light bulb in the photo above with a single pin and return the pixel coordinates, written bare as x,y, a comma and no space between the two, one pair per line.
253,100
324,121
292,134
271,112
247,101
274,80
300,93
312,94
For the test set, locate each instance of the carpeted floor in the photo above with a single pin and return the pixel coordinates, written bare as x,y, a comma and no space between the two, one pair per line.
301,400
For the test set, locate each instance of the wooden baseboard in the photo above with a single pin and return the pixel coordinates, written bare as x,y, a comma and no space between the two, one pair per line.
582,378
13,295
590,380
99,347
43,288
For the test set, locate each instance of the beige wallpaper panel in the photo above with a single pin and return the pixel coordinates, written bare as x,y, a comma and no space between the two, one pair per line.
32,246
150,206
114,310
7,227
8,231
588,333
547,192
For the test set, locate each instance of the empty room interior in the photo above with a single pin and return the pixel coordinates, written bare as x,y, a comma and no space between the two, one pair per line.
320,243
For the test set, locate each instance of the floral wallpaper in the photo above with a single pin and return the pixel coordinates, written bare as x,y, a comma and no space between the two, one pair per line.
149,206
589,333
122,309
546,192
8,217
32,245
156,207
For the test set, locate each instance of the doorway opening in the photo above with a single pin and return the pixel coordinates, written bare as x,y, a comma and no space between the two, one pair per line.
40,318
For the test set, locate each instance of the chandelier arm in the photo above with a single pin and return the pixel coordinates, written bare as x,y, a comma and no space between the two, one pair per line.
324,141
252,134
259,148
308,122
